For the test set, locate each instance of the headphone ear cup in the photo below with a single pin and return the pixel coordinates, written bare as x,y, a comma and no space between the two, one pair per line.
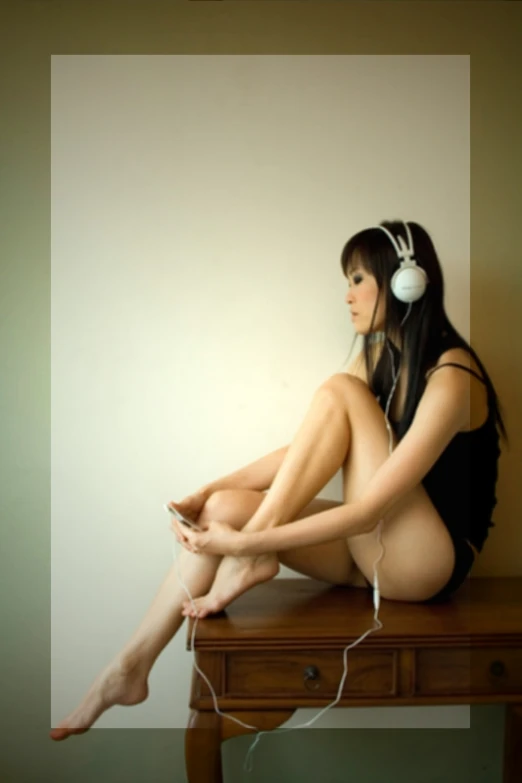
409,283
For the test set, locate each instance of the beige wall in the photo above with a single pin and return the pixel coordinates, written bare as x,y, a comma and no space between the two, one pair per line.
200,205
489,32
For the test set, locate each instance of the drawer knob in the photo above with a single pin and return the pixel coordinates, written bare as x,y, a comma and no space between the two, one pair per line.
497,668
311,675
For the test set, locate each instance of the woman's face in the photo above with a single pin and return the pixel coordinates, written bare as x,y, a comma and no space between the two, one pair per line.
361,298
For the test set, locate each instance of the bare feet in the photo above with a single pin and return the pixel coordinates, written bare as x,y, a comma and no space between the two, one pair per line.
234,576
119,683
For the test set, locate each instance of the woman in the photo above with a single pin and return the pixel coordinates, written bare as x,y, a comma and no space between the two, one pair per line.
446,421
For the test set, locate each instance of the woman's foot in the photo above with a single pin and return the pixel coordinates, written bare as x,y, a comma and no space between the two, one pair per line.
234,576
119,683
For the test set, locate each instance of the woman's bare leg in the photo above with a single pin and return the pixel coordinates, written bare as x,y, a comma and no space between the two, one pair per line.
346,427
315,455
124,680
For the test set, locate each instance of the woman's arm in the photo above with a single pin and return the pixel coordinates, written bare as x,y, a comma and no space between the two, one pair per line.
257,475
442,412
339,522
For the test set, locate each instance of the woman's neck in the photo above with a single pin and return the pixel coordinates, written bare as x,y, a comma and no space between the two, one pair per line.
380,337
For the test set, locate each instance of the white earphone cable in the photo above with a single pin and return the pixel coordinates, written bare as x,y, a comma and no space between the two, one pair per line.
377,623
406,253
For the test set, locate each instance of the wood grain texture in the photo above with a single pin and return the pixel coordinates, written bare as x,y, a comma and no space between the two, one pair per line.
280,647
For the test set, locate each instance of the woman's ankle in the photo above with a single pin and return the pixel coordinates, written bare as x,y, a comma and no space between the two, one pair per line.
133,662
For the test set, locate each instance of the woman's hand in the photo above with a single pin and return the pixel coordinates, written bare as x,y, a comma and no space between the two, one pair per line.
214,538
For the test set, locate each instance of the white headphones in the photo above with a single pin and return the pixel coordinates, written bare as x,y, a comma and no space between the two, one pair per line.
409,281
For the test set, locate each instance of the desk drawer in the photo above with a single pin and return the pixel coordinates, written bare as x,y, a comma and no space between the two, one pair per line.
319,673
473,670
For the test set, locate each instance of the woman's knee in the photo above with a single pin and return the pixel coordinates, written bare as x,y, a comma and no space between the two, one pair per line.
233,506
342,383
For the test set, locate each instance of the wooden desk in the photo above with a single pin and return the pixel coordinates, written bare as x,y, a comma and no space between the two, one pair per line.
279,647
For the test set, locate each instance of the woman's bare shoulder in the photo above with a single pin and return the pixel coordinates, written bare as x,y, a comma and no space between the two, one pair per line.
478,411
456,356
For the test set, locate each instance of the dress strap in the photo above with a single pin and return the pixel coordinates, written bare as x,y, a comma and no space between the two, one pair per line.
452,364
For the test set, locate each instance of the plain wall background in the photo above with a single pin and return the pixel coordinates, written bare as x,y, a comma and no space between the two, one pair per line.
489,33
199,208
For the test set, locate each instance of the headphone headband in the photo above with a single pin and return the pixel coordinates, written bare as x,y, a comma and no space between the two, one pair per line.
409,281
404,252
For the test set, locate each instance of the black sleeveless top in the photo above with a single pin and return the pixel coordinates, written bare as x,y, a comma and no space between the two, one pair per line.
462,483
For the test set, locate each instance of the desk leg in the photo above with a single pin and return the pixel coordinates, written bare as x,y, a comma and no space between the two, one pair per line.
203,748
513,744
207,730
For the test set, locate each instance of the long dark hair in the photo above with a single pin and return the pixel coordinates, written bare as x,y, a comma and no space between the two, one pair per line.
427,331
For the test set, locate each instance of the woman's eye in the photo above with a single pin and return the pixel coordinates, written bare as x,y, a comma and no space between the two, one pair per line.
357,279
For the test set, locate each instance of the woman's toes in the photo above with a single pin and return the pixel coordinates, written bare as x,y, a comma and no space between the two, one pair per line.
207,607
